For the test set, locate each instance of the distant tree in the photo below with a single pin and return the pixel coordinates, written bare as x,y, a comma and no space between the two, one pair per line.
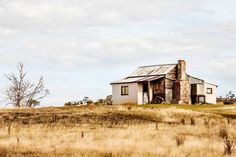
67,104
100,102
21,92
87,101
230,98
73,103
230,95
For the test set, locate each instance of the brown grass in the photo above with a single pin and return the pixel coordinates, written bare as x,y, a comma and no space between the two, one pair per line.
112,132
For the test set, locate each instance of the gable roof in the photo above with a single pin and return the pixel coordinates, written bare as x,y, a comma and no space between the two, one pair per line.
195,80
147,73
153,70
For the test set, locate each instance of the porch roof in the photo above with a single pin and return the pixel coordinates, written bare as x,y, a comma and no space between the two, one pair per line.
138,79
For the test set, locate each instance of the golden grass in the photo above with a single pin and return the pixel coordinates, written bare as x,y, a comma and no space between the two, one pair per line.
112,132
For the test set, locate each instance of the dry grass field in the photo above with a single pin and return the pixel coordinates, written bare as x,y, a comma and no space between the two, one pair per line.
117,131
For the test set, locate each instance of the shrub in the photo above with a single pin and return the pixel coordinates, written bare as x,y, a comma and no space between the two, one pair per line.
74,103
179,139
68,104
230,98
192,121
228,145
129,107
182,121
89,102
100,102
108,100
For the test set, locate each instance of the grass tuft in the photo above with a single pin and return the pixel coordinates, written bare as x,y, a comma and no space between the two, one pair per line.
179,139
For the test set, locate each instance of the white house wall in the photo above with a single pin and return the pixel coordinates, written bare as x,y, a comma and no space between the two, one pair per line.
131,98
140,93
210,98
201,89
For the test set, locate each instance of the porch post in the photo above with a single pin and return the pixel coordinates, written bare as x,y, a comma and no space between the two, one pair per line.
149,92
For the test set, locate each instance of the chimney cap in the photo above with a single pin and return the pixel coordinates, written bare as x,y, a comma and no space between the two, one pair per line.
181,60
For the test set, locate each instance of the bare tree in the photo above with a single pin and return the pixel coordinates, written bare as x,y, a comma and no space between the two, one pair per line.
21,92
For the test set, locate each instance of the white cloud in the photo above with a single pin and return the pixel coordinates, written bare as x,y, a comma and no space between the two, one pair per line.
83,38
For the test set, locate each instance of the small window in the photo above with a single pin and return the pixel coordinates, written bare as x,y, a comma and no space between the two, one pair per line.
201,99
209,91
124,90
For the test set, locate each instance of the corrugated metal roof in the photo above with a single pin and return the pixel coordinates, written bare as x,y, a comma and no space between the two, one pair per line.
128,80
153,70
151,78
137,79
211,84
195,80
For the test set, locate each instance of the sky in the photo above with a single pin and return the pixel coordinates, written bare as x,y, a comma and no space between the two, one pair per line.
80,46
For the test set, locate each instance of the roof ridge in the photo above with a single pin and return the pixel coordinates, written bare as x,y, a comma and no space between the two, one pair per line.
155,65
145,76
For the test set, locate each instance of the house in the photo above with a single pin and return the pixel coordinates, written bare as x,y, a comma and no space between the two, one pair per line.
167,83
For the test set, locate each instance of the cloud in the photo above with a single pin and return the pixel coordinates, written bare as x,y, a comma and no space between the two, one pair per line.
101,41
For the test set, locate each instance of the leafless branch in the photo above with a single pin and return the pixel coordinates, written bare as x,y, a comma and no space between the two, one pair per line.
21,92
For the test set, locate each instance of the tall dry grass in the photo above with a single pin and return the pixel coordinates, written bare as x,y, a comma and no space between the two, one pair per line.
113,132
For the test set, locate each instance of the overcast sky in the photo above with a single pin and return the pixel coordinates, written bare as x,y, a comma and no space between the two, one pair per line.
80,46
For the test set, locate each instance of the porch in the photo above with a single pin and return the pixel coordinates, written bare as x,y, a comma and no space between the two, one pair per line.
154,91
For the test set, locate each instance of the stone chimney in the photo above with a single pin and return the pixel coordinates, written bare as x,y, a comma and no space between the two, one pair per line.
181,85
181,70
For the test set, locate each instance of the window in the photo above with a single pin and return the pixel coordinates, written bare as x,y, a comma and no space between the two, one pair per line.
201,99
124,90
209,91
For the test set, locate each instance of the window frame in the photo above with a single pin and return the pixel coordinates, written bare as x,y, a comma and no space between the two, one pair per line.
124,90
201,99
209,91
